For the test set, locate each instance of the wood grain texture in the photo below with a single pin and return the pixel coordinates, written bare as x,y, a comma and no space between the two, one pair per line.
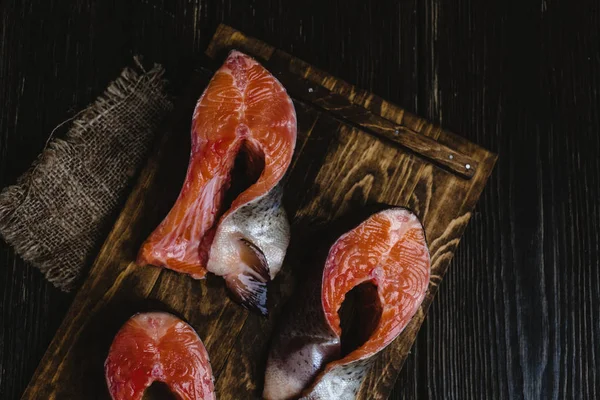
352,169
516,316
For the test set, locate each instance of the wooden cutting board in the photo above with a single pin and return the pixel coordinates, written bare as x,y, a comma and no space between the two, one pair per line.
354,149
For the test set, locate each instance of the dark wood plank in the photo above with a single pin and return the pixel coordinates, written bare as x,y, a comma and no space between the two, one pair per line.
518,77
48,71
340,106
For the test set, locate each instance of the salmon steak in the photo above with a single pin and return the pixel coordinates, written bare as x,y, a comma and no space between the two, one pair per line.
158,346
387,260
232,225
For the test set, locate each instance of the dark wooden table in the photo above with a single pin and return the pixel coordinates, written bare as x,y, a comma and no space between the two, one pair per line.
517,316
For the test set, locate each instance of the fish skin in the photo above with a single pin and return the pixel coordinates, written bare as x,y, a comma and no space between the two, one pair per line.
261,224
244,108
157,346
302,344
313,323
341,381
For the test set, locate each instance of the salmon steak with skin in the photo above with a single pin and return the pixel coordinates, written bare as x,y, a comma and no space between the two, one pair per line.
386,257
244,114
160,347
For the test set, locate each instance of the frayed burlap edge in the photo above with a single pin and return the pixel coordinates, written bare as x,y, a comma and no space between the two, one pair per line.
12,197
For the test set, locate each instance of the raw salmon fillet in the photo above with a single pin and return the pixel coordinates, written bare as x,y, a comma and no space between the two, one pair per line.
243,111
387,250
158,347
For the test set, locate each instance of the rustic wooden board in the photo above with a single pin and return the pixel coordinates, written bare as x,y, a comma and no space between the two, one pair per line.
354,149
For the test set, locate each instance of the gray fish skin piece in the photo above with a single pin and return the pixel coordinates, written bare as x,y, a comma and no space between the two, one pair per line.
301,348
249,247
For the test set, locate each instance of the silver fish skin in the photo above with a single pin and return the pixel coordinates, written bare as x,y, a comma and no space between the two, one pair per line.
340,382
249,247
301,350
303,346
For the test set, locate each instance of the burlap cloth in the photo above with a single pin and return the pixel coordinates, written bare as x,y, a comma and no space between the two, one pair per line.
59,212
